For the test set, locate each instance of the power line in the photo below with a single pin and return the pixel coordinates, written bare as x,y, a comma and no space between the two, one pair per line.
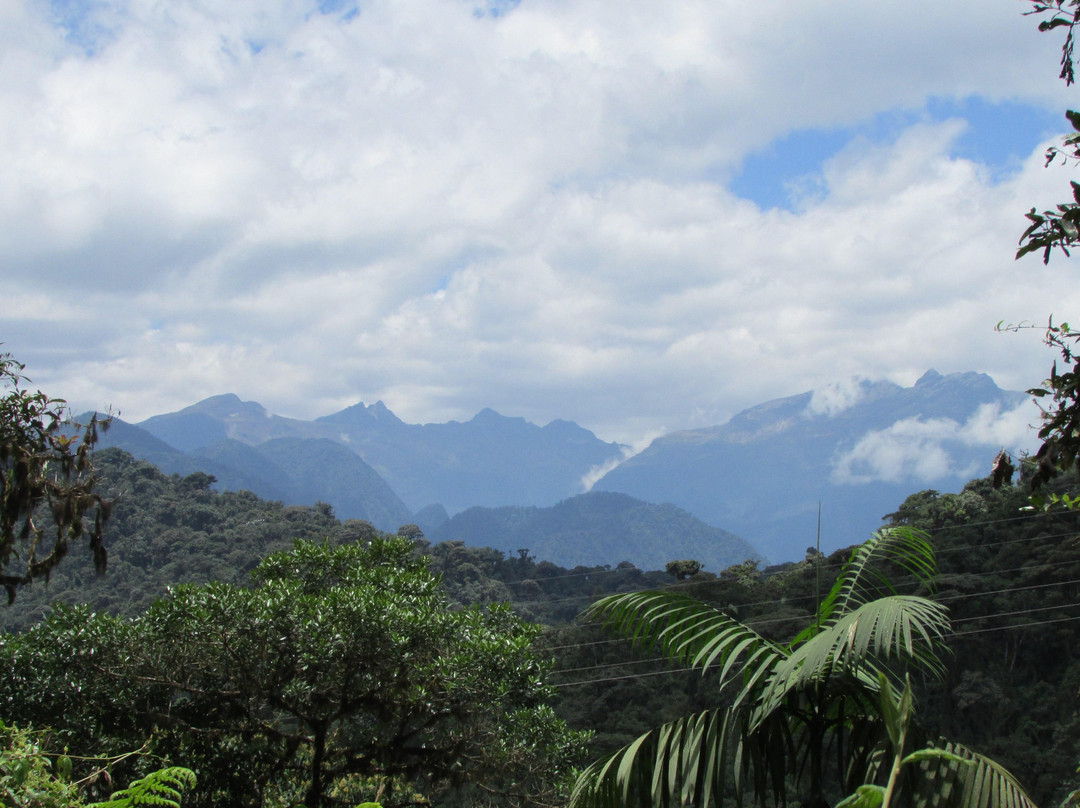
620,678
775,602
827,567
751,624
688,670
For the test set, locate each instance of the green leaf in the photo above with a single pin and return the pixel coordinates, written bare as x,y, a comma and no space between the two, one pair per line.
867,796
1056,22
932,753
157,788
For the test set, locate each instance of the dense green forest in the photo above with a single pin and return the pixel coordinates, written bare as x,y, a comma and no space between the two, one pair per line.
245,652
1009,577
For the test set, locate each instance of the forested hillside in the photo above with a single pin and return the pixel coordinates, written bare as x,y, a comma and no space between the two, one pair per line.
169,529
600,528
1010,578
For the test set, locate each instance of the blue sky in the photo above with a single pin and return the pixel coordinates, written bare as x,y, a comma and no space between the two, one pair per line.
641,217
997,135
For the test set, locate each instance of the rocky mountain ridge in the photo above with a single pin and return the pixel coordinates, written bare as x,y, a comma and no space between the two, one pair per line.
856,447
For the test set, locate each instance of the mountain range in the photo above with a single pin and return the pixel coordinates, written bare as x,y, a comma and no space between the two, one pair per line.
599,528
855,450
858,448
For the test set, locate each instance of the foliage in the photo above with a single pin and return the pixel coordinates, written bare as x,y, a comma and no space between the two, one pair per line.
29,778
170,529
683,568
341,670
896,715
791,702
1060,14
1011,580
1010,688
1049,230
932,772
46,473
161,787
1059,397
1058,228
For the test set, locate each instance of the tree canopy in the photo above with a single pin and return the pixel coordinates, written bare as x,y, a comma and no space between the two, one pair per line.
46,476
341,669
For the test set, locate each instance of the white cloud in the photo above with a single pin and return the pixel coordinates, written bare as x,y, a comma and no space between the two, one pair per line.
447,212
908,451
837,396
590,478
925,451
1013,429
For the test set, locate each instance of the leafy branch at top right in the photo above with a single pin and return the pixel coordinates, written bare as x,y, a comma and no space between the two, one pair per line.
1059,228
1049,230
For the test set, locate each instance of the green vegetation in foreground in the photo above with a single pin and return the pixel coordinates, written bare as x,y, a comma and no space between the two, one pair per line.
800,707
340,673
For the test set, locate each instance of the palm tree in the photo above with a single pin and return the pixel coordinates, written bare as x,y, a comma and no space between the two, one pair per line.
798,712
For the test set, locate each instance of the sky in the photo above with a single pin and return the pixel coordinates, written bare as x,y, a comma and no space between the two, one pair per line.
638,216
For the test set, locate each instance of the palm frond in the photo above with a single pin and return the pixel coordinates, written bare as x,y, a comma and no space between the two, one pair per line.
793,702
901,628
679,763
865,576
978,782
691,632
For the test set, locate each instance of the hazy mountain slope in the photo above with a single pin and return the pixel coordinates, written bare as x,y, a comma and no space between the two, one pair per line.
261,475
857,451
489,460
142,444
230,476
322,470
186,431
224,416
857,448
296,471
599,528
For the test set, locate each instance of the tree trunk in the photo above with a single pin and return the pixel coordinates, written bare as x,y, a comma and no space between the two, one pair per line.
313,799
816,732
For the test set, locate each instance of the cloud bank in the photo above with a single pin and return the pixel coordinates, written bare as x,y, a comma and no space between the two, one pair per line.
446,205
923,452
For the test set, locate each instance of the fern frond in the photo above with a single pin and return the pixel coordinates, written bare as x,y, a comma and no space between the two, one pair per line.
162,788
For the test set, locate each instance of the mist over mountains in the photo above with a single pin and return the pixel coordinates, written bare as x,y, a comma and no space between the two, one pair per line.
857,447
491,460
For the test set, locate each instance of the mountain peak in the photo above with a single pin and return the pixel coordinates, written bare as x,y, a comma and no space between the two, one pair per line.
929,377
361,415
382,412
488,416
227,405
